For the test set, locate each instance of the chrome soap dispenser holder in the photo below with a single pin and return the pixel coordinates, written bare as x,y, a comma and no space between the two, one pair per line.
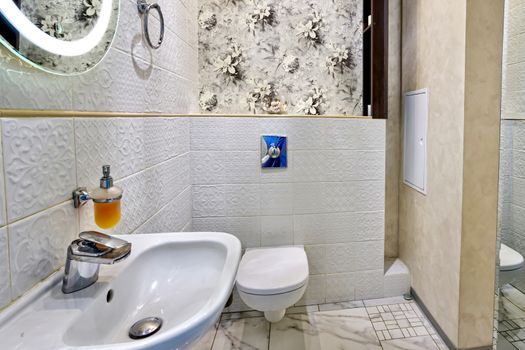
81,194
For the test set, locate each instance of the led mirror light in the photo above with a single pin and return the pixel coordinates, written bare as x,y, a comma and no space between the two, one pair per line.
56,46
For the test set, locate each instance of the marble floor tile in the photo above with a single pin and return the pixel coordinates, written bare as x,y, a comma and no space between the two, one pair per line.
504,344
341,305
302,309
518,345
509,311
385,301
439,342
350,328
295,331
242,334
325,330
242,314
206,342
413,343
514,295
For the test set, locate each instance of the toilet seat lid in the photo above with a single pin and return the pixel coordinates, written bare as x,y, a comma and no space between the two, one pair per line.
509,259
267,271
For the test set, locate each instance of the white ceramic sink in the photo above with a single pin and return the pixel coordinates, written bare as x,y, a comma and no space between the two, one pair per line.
183,278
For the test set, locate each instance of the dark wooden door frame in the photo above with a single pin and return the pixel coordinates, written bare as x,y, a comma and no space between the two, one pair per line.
375,58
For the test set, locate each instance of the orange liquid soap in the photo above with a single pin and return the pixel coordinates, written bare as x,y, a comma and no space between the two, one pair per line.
107,215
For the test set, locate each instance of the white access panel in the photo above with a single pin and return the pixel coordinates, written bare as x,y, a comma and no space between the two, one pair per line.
415,140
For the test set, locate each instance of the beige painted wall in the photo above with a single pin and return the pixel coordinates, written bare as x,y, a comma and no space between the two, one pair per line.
480,171
452,228
430,226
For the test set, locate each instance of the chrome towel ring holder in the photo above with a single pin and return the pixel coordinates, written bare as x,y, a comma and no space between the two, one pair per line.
144,8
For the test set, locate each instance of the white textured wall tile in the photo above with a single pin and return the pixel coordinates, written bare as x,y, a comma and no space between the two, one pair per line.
326,197
276,199
166,92
369,284
356,256
362,285
39,161
315,291
338,227
3,214
5,282
173,217
328,133
340,287
188,227
338,165
212,167
246,229
276,230
129,36
38,245
226,200
25,87
114,141
127,144
317,259
224,134
330,197
115,84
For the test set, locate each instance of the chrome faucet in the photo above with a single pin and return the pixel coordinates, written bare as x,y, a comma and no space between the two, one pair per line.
84,256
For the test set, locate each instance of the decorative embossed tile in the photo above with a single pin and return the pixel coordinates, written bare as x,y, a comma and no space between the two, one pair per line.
3,214
338,227
276,230
38,244
116,84
39,161
326,197
226,200
338,165
5,283
127,144
25,87
219,167
246,229
172,217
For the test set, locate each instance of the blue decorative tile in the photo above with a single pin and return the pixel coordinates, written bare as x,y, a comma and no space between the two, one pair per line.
273,151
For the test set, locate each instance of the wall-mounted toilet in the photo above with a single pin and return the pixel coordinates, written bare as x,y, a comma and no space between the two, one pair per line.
510,264
272,279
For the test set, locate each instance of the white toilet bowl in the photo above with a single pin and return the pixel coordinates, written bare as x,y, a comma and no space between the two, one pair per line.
272,279
510,264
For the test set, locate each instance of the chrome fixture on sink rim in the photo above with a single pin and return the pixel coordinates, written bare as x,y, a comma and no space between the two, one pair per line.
84,256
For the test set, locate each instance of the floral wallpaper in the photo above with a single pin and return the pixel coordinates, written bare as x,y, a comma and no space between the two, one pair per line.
66,20
281,56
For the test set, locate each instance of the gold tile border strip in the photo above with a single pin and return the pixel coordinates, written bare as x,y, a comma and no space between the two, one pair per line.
39,113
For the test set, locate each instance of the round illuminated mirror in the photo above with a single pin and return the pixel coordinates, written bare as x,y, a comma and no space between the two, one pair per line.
59,36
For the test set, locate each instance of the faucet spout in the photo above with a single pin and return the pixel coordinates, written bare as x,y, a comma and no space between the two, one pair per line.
86,254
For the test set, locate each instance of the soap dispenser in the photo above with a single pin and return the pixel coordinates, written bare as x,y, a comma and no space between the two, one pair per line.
106,200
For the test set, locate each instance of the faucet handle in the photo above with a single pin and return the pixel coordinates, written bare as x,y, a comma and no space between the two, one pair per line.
103,239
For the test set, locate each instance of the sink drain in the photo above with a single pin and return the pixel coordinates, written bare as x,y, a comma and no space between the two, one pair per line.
145,327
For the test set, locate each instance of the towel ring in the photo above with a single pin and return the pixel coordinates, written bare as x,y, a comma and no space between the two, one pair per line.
144,8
